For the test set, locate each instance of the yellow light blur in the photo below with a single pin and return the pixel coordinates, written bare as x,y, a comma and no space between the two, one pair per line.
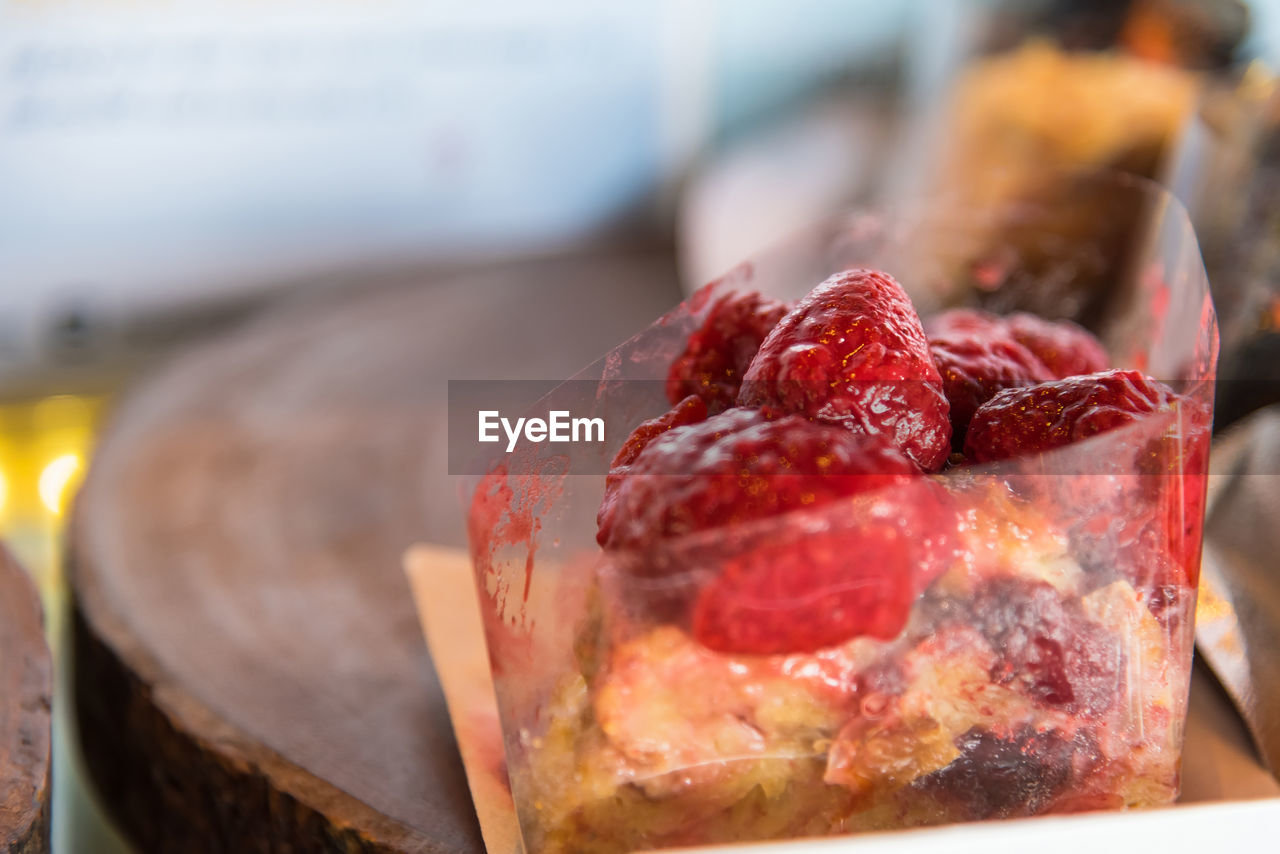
55,480
4,491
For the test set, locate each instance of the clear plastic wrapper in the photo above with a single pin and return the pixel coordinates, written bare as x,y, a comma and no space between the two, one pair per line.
1047,601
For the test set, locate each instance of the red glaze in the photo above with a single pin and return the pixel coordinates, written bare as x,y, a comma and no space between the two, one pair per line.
853,353
719,351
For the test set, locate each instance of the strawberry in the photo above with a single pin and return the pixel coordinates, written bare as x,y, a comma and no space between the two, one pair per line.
1039,418
738,466
964,320
809,590
974,367
1140,526
853,353
1064,348
718,352
691,410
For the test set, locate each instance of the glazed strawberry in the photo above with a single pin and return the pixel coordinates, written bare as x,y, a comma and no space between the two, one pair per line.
691,410
818,589
738,466
719,351
1051,415
853,353
974,366
1136,527
1066,349
964,320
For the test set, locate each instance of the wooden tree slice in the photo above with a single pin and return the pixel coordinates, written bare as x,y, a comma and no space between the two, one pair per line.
250,672
26,686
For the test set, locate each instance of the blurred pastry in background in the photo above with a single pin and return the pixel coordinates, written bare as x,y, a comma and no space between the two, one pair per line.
1201,34
1013,115
1056,90
1016,133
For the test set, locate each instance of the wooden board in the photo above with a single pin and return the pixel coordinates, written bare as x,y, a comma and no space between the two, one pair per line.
250,672
26,686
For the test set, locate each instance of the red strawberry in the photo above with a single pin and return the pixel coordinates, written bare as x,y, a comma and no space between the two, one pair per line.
975,366
816,589
853,353
1039,418
691,410
1129,518
1066,349
964,320
719,351
735,467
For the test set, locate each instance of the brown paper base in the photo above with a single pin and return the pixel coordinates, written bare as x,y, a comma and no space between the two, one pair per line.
446,600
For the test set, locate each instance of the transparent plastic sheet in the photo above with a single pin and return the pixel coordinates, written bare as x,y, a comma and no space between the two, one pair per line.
1044,667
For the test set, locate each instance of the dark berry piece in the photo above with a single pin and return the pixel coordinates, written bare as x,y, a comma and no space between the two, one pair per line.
1020,774
1047,647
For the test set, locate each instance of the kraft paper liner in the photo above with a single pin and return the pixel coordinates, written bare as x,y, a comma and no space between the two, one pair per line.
445,595
1218,763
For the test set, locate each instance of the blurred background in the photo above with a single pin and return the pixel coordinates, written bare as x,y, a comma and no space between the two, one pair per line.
169,169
